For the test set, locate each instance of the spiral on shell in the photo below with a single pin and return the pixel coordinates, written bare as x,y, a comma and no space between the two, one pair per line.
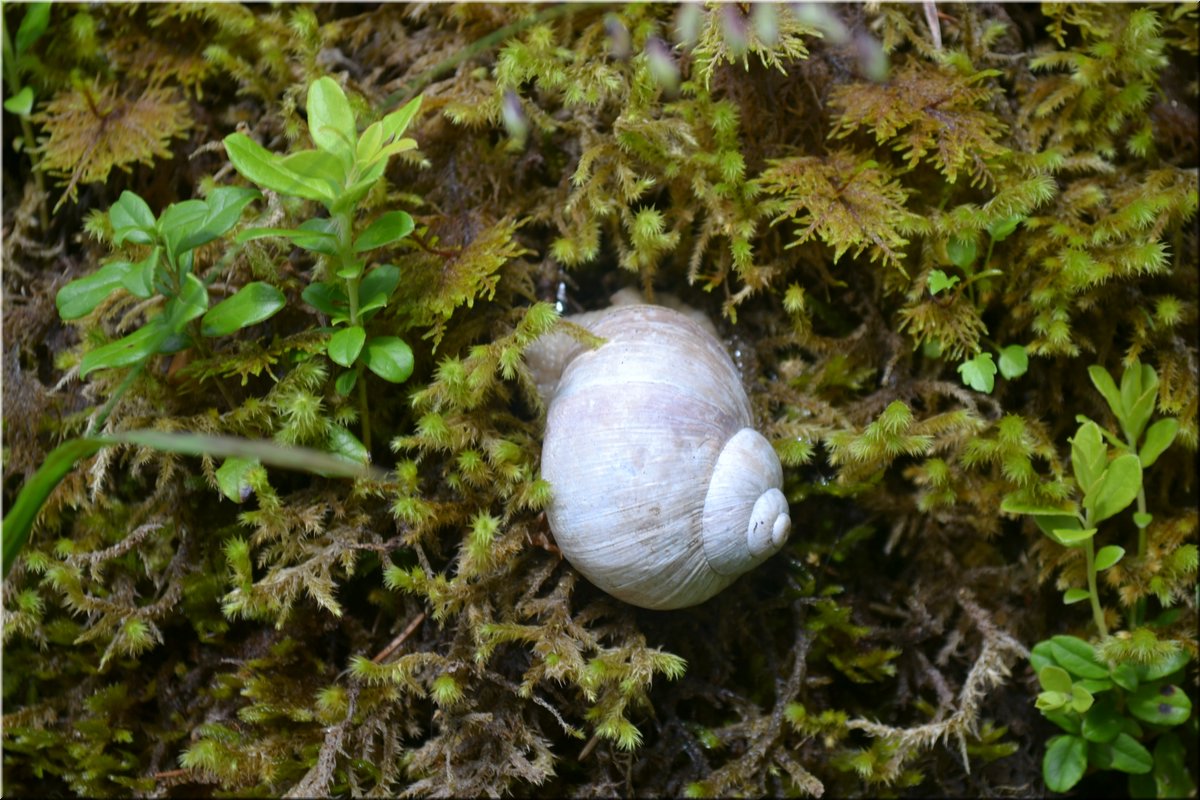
663,492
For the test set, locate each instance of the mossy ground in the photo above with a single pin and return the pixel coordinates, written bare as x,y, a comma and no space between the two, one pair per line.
801,179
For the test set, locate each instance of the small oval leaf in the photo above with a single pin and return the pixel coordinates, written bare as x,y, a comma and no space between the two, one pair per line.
1071,596
1077,657
80,296
345,345
1108,555
1158,438
233,477
252,304
1064,762
1014,361
1160,704
386,229
139,345
132,220
1119,484
389,358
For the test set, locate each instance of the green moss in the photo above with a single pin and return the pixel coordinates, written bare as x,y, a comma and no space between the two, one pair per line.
420,633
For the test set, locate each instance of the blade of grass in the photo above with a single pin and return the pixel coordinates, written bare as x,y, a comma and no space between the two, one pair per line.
20,518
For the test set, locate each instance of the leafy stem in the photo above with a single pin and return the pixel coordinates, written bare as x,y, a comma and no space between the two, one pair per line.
1093,592
13,79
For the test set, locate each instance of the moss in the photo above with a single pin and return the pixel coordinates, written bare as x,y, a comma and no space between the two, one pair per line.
420,633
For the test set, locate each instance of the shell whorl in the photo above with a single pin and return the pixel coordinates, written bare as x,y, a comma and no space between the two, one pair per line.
745,518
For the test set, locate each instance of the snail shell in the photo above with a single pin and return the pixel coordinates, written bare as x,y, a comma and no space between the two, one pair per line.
663,493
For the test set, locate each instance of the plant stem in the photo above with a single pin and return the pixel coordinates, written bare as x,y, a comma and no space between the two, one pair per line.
346,258
1138,612
1093,593
479,46
14,86
99,420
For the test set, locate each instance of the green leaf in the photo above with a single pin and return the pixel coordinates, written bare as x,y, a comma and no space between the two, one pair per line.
1068,721
1142,520
1064,762
191,302
1041,655
1158,438
80,296
356,191
317,165
979,373
1081,698
938,281
961,252
233,477
1088,457
22,513
132,220
331,120
1003,228
1105,384
345,382
1048,526
1048,702
252,304
1054,679
345,445
389,358
223,209
140,279
1070,537
178,221
1172,772
345,345
377,287
397,122
1014,504
1077,657
33,25
1160,704
1093,685
1108,555
350,269
1161,669
1139,392
264,168
20,103
1125,676
327,297
1014,361
137,346
386,229
1119,485
370,142
1102,722
313,234
1071,596
1124,753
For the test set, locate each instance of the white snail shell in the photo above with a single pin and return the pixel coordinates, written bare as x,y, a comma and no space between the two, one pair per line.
663,493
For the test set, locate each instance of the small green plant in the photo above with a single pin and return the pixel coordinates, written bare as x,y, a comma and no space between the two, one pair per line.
166,273
1109,480
1012,361
1108,710
21,95
339,174
1135,674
